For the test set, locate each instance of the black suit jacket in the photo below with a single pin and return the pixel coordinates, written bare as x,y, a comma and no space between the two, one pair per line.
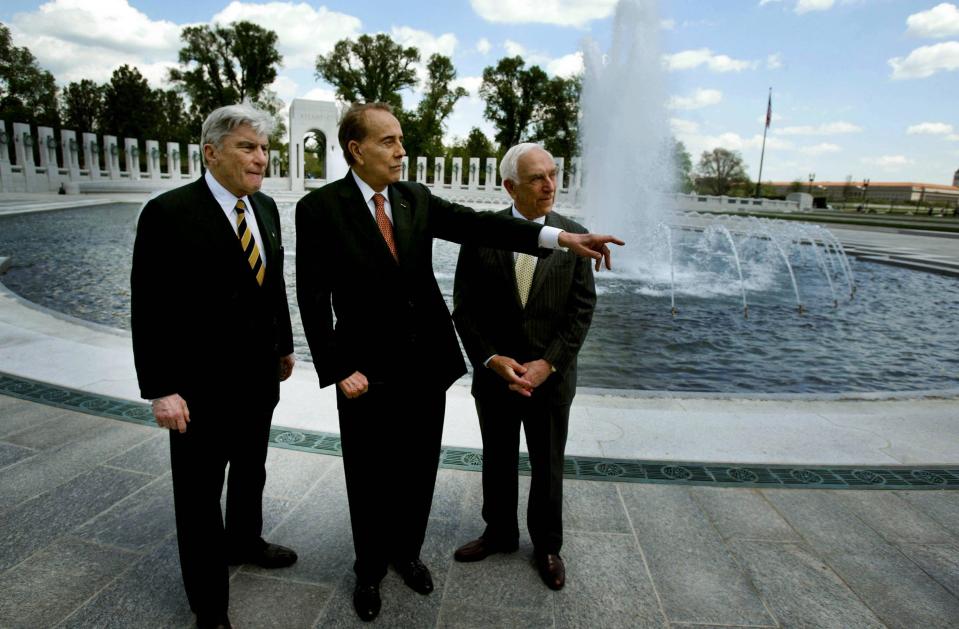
202,327
363,311
491,319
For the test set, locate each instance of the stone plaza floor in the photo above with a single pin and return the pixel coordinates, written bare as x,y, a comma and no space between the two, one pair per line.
87,540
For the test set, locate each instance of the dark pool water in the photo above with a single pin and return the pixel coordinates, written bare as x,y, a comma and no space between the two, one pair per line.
899,332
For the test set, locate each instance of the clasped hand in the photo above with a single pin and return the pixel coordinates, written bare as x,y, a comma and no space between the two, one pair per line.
522,378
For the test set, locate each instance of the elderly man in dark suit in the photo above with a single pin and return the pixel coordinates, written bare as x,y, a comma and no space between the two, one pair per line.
211,343
519,316
378,328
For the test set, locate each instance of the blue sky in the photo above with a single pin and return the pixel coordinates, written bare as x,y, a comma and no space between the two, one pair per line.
861,88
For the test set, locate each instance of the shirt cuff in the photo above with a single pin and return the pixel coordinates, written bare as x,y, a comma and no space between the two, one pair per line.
486,362
549,238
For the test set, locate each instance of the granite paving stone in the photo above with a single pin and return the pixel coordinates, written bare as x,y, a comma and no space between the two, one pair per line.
893,517
594,507
10,454
697,577
18,415
138,522
48,586
942,506
318,529
900,593
476,617
292,473
801,590
67,428
35,523
455,494
52,468
824,520
257,601
150,457
742,514
501,580
939,561
148,595
607,584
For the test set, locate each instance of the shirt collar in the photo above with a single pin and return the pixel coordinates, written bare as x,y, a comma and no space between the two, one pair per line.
224,197
539,219
366,190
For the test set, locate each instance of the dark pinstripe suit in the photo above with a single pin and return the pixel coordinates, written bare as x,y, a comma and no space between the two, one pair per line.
491,320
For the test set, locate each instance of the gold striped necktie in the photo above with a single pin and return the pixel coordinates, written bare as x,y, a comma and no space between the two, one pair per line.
525,267
248,243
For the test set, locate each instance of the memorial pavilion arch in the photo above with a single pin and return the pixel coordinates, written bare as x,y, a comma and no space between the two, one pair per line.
313,126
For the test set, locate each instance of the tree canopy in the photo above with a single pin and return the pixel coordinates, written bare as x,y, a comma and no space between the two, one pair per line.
223,65
719,170
369,69
28,93
509,89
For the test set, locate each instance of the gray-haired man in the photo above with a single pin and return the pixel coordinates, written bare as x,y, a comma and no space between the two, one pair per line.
211,343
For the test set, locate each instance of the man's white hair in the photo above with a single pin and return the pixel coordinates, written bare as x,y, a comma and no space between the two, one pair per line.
509,167
222,121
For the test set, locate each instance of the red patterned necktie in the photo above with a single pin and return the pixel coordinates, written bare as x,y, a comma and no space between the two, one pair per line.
386,227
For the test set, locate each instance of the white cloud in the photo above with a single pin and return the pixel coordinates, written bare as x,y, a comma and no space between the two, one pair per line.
303,32
425,42
820,149
83,40
683,127
805,6
667,25
319,93
699,99
940,21
926,61
689,59
953,137
828,128
930,128
566,66
774,61
763,3
513,48
559,12
483,46
285,88
888,162
471,84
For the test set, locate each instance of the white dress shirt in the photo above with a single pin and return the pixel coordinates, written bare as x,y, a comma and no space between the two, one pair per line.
228,203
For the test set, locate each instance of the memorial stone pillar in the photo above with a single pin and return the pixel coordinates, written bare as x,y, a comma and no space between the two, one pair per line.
173,160
132,149
421,170
91,155
457,180
274,163
473,181
71,153
405,172
193,166
112,155
153,159
490,173
439,164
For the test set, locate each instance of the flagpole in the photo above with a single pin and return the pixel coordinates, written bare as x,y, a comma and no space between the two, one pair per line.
769,111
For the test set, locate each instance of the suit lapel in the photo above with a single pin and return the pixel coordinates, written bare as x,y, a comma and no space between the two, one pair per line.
357,213
402,223
264,222
209,217
542,265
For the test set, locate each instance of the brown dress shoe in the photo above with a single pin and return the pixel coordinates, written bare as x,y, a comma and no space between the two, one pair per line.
551,570
266,556
479,549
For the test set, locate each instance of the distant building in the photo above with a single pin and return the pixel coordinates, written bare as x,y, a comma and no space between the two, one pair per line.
876,191
955,179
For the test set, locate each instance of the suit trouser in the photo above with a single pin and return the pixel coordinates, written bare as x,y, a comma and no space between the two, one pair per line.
198,459
391,444
546,427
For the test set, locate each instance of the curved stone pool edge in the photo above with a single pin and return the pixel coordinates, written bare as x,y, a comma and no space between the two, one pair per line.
576,467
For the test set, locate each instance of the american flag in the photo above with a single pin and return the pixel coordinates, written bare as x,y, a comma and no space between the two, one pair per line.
769,109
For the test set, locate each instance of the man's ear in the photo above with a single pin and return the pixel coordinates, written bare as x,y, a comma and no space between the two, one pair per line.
354,148
509,186
209,153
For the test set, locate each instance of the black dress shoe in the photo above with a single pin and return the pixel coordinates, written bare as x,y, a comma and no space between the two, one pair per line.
416,575
366,601
551,570
266,556
480,549
213,621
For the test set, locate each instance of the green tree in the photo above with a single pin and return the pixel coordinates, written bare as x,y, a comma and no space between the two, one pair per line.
557,126
174,123
718,170
424,127
795,186
476,144
130,108
370,69
28,93
512,98
82,104
224,65
683,164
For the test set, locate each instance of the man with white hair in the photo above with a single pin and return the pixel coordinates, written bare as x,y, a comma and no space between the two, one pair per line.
522,316
211,343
